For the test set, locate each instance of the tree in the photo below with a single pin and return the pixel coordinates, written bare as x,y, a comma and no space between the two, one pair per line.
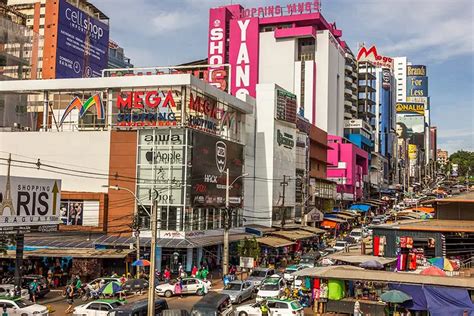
249,248
464,160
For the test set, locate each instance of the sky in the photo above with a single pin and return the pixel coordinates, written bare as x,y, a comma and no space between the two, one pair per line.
435,33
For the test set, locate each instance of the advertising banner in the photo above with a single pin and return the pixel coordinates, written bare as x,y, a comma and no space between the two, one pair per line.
217,47
412,152
410,108
243,55
416,70
82,44
29,201
412,129
211,156
286,106
386,79
371,55
354,123
417,86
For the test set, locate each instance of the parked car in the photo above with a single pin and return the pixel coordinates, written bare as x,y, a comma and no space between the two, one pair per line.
97,308
340,245
275,307
357,234
102,281
260,274
239,291
139,308
217,304
43,288
22,307
290,269
310,259
271,287
7,290
190,286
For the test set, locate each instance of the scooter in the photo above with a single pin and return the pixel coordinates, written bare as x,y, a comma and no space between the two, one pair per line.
90,294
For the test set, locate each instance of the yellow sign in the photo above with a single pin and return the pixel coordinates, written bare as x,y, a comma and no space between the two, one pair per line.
416,108
412,152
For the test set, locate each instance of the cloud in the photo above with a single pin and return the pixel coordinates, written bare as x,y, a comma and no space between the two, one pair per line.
172,21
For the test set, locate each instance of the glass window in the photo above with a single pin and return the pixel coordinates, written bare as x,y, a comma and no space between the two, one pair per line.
94,306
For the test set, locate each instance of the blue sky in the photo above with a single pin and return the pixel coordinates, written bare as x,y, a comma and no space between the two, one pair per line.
436,33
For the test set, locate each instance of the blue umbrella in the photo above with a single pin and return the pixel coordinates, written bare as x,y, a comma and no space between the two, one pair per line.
111,288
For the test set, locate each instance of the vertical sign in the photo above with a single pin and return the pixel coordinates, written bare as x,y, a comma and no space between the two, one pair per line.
243,56
217,47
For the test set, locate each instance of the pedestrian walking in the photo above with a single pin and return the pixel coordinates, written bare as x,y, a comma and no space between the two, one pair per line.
167,274
70,298
178,287
33,288
194,271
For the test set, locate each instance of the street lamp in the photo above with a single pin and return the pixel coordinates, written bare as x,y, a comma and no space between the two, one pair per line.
225,261
137,231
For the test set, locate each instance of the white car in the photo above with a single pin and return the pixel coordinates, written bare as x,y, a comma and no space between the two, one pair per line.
96,308
190,286
357,234
102,281
275,307
23,307
7,290
340,245
290,269
271,287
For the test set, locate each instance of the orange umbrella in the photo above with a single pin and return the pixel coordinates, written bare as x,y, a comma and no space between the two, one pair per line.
433,271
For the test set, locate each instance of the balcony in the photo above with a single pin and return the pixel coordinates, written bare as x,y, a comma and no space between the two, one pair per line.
347,91
348,79
354,86
364,74
348,103
349,68
347,115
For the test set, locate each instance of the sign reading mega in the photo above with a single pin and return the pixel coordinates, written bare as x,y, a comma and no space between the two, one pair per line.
29,201
82,43
243,56
211,157
413,108
371,55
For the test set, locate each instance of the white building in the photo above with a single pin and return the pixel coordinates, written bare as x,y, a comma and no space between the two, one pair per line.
400,72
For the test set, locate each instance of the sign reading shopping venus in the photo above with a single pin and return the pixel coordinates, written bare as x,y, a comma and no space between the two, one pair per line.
29,201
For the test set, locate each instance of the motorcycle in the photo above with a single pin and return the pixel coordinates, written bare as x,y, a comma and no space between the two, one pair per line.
77,293
90,294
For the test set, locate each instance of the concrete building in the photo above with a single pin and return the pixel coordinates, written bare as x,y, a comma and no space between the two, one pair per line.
117,58
350,87
400,72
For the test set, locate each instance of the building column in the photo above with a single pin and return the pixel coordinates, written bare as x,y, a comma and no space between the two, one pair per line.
189,259
199,255
158,258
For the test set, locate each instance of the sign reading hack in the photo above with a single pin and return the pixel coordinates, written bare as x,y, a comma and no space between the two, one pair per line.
29,201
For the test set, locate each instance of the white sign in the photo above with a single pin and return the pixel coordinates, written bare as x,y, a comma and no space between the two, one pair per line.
246,262
356,123
29,201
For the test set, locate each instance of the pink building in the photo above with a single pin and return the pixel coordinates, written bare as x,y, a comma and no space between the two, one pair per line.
347,165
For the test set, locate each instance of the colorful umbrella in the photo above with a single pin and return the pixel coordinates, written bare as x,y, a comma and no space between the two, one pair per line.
437,262
111,288
395,296
433,271
141,263
447,265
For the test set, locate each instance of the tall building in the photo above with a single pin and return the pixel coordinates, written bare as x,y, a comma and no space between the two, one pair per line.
350,87
73,37
400,72
117,58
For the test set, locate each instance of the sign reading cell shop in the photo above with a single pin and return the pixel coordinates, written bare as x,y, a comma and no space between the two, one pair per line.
211,157
147,108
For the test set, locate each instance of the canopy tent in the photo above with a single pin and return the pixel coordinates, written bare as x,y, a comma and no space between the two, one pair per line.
274,242
361,207
329,224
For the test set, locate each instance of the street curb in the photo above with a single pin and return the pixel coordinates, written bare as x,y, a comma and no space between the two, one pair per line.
52,300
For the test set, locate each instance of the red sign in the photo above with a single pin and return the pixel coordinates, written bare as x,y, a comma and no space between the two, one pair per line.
140,99
371,55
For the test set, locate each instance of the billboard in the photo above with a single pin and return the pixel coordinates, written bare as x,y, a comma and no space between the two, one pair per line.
82,44
410,108
417,86
386,79
416,70
371,55
286,106
29,201
211,157
217,47
411,128
243,56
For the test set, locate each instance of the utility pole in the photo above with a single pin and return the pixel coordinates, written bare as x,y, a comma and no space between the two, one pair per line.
284,183
225,259
136,228
151,289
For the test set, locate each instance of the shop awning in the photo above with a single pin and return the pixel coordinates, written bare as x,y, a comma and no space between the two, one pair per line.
328,224
350,213
294,234
274,242
342,216
312,229
258,230
335,219
361,207
358,259
78,253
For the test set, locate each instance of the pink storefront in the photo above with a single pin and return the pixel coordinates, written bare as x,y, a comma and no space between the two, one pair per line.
347,166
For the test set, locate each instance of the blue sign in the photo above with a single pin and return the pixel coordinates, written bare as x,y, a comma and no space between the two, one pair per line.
417,86
83,43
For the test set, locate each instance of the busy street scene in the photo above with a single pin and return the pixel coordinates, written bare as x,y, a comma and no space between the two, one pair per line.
207,158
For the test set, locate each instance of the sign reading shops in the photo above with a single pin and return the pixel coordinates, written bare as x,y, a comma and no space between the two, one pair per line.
29,201
211,157
410,108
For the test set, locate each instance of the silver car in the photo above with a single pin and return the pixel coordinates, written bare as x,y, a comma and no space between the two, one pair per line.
260,274
239,291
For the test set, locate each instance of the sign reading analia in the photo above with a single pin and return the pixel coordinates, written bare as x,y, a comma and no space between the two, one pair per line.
29,201
243,56
414,108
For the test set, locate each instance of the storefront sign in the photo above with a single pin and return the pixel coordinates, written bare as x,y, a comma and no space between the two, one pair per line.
386,79
355,123
284,139
414,108
247,262
211,158
371,55
305,7
416,70
243,56
217,47
146,108
214,117
76,103
29,201
286,106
